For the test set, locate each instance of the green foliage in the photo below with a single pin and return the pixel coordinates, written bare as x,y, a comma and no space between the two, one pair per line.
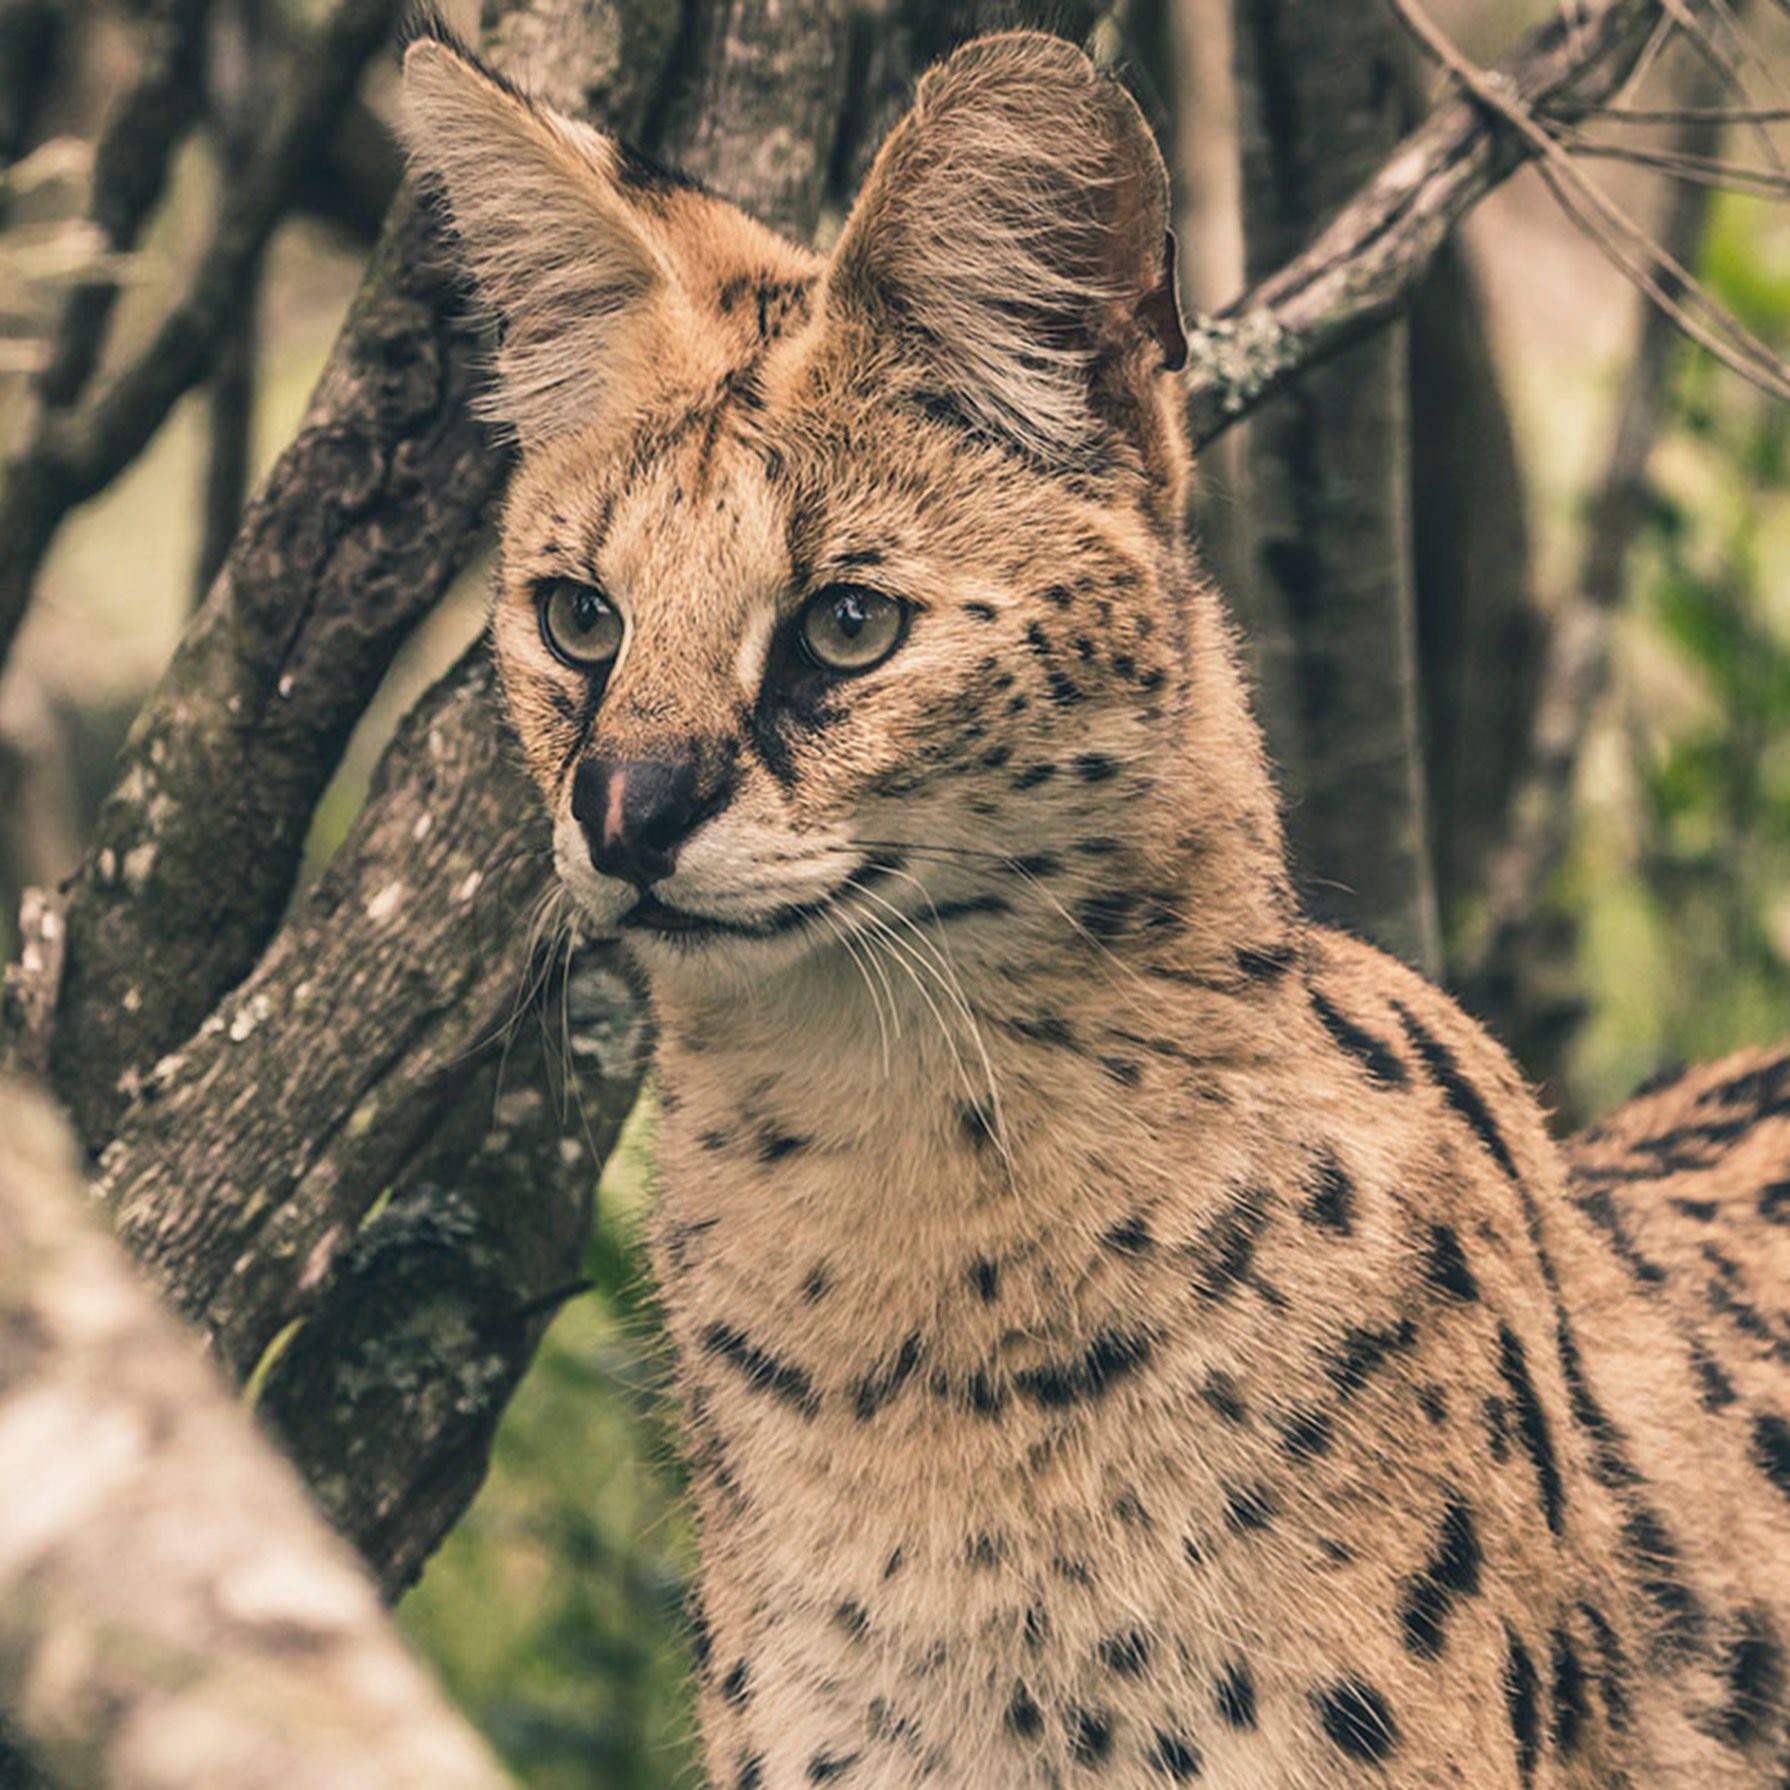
553,1613
1683,866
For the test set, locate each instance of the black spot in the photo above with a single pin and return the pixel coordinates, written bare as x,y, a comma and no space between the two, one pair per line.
1522,1701
1497,1426
985,1277
983,1551
1046,1028
982,612
1090,1735
815,1287
639,171
1457,1090
1127,1654
1037,864
751,1773
1332,1203
1753,1665
1571,1711
1024,1716
877,1388
1449,1574
1771,1449
1703,1211
1715,1390
1037,1626
977,1119
1532,1426
1432,1401
1650,1546
1108,914
824,1767
968,908
1613,1671
1265,963
980,1393
1235,1695
1033,775
1129,1509
736,1687
1059,596
1447,1265
1095,767
773,1146
1250,1508
1226,1249
1132,1235
853,1618
1363,1352
1357,1720
1121,1071
1173,1756
996,756
1109,1357
1219,1390
1306,1435
702,1643
1376,1057
762,1372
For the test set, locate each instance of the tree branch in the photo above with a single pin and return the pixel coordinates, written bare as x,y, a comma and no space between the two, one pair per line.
362,524
75,450
1362,265
1516,966
248,1189
171,1610
1330,594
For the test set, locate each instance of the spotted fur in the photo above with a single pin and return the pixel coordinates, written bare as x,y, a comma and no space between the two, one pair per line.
1126,1333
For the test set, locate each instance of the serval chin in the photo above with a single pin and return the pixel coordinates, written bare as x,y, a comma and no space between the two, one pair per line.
1126,1332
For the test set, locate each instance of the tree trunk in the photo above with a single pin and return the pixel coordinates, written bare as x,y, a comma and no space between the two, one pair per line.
1329,599
172,1612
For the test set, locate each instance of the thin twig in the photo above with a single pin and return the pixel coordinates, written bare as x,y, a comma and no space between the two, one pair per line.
1360,269
1671,115
1697,313
76,449
1710,171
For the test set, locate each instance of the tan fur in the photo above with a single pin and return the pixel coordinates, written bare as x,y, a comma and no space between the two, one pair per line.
1126,1333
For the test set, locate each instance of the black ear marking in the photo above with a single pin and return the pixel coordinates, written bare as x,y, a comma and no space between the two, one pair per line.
1159,310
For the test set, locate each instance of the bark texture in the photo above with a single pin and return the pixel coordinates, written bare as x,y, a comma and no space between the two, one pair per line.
77,444
362,524
1329,594
172,1611
1520,961
1361,267
367,1165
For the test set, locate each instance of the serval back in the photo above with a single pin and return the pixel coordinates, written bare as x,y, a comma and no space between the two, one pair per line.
1126,1333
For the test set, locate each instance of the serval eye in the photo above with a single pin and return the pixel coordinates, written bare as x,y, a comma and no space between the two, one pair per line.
580,625
846,628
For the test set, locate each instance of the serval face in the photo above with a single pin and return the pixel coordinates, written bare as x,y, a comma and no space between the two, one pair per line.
834,590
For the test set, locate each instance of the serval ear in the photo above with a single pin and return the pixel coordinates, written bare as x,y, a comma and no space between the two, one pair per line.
554,228
1015,228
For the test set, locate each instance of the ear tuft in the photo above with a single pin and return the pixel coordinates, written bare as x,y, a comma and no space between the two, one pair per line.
551,241
1016,222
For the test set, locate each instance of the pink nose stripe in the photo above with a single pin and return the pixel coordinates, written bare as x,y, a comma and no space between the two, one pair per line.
612,812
